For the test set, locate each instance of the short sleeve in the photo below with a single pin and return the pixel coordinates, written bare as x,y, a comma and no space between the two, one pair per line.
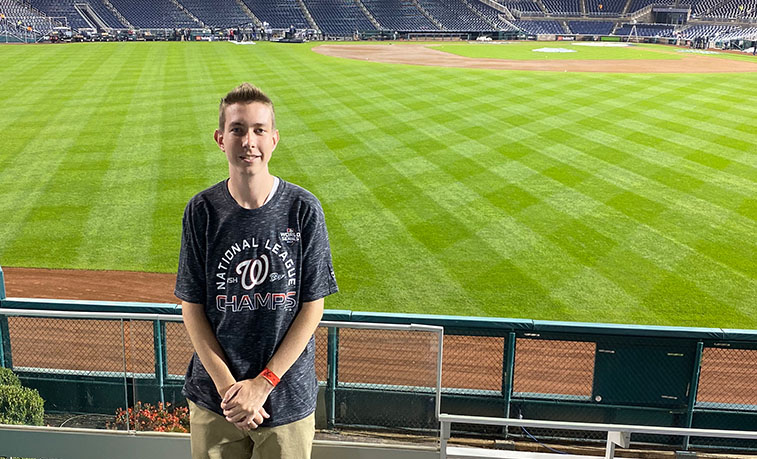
318,278
190,278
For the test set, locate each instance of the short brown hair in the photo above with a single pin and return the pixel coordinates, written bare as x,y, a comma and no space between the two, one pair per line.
245,93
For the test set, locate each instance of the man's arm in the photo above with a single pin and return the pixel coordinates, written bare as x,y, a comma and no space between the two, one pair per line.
206,345
297,338
243,402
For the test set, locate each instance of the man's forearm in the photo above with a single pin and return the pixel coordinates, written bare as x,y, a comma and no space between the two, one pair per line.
243,403
297,338
206,345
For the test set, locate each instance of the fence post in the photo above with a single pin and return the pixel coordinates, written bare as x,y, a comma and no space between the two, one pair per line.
693,387
333,375
2,284
161,370
6,359
508,366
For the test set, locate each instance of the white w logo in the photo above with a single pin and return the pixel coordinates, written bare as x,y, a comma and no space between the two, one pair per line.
253,272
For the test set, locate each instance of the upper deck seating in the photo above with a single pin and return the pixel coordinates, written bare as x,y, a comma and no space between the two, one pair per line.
736,9
399,15
701,7
455,15
523,6
603,7
338,17
491,14
636,5
153,14
105,14
280,14
563,7
217,13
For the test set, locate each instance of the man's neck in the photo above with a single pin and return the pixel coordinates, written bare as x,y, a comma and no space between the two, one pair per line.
250,191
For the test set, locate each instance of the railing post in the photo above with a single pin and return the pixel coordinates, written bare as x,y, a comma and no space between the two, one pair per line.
159,343
2,284
508,366
693,387
333,375
6,359
443,438
622,439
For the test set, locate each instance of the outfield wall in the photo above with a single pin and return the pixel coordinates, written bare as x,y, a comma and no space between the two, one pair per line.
584,372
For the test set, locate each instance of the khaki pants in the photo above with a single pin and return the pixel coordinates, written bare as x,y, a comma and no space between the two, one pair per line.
213,437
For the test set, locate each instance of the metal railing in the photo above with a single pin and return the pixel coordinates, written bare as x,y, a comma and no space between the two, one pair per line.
617,434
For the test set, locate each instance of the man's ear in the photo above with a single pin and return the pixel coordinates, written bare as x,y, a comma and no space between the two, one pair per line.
218,135
275,138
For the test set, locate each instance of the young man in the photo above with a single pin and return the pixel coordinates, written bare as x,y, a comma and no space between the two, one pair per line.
254,267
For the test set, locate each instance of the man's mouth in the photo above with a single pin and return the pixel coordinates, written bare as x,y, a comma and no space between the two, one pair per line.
250,158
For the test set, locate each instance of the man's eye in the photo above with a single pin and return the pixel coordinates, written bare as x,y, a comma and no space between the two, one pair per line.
259,130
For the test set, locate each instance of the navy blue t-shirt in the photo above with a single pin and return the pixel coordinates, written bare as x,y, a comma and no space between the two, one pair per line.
253,269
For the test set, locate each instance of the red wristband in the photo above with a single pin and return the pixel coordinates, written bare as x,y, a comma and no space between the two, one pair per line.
270,376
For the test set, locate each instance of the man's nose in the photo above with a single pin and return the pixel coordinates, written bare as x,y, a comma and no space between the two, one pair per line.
247,141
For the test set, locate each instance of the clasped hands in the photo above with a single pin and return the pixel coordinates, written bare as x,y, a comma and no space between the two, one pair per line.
242,403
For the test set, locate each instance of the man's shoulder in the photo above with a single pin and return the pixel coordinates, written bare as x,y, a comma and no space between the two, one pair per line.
209,195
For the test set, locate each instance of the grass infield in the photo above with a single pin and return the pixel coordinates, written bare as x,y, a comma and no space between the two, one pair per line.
627,198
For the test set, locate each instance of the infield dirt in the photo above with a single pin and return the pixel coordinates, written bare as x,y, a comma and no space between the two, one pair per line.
411,54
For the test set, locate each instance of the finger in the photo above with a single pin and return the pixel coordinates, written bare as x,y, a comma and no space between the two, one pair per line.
231,393
242,426
264,413
235,409
236,418
230,404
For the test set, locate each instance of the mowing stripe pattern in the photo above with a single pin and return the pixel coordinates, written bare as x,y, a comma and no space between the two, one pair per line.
584,197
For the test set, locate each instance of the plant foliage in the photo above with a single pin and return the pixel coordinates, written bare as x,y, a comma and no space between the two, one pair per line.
8,377
21,405
160,418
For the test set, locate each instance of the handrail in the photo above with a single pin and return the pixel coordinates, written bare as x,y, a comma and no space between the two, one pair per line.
597,427
618,434
88,315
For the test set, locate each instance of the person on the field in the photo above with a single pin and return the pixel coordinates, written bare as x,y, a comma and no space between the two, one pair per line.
254,268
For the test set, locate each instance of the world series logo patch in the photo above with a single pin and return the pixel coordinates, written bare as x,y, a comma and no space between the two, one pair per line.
290,237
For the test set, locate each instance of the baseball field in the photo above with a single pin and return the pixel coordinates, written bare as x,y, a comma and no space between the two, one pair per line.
582,194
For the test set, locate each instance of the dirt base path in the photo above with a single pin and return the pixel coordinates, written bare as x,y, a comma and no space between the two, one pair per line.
425,55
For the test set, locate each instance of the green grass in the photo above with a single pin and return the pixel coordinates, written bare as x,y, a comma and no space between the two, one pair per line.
585,197
525,51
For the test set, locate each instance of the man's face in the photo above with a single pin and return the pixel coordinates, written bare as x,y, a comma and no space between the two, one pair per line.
248,137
